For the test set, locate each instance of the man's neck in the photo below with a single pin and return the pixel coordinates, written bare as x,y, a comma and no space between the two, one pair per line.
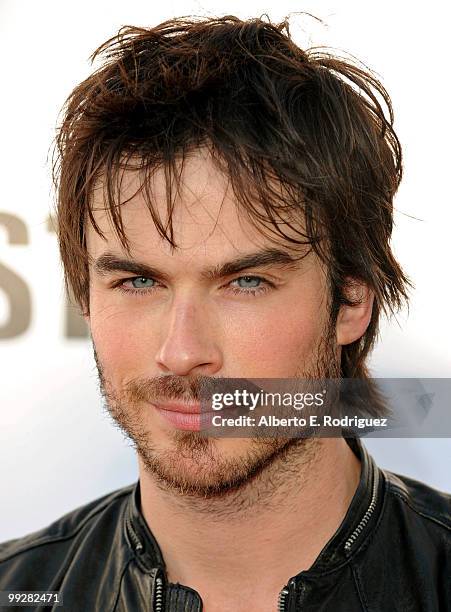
221,546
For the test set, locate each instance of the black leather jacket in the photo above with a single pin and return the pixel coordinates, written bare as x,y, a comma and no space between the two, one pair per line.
391,553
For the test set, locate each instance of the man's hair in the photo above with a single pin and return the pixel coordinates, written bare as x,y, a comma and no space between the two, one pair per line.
302,135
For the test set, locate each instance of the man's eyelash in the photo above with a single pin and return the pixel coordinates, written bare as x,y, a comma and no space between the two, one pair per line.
253,291
266,286
121,286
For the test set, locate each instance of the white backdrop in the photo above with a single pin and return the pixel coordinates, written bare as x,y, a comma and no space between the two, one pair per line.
57,447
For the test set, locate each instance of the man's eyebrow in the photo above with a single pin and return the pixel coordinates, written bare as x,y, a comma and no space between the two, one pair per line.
108,263
265,257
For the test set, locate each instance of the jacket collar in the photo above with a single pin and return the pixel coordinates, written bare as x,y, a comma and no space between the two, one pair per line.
351,535
362,515
138,534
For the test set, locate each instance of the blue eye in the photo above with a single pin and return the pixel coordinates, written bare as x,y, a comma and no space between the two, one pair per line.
244,286
248,282
250,286
141,282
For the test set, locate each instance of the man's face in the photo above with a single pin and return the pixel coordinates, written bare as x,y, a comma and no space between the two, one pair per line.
156,334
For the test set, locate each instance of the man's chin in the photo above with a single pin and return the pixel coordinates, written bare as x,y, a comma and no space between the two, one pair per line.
193,465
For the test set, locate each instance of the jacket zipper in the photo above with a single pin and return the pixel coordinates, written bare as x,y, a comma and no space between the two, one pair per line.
366,517
282,603
283,596
134,538
158,598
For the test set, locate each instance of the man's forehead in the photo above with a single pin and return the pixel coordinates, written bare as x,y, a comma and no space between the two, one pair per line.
202,199
205,212
213,257
195,229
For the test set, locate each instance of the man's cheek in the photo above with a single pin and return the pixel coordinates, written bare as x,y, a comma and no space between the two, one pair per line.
123,348
281,343
288,331
285,347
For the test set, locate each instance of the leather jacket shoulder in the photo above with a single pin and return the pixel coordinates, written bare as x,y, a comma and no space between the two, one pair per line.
392,552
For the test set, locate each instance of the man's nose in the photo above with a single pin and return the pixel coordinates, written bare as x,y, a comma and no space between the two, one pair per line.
188,341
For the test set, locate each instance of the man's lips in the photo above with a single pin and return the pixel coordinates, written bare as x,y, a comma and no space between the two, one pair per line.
184,415
185,408
189,415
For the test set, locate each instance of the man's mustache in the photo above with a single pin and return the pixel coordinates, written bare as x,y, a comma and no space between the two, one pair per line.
190,389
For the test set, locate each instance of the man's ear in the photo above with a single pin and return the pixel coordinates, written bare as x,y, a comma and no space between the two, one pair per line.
352,321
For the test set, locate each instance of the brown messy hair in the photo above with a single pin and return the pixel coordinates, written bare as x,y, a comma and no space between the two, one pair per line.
300,134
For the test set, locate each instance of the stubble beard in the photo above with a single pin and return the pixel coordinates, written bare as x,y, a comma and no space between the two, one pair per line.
193,467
